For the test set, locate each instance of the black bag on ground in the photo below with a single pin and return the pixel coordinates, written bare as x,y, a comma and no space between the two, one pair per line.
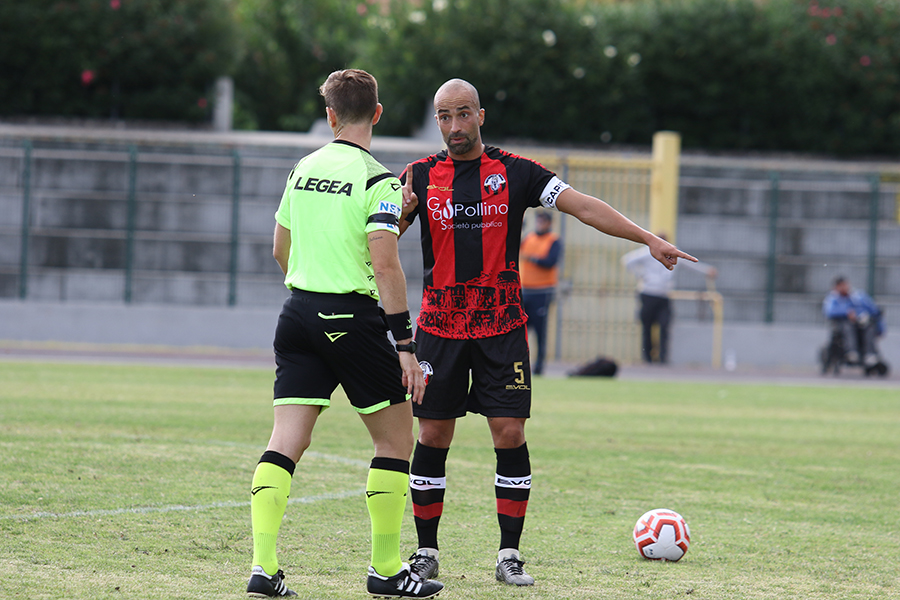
600,367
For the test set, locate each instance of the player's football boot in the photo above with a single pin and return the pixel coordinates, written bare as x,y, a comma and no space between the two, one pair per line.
423,564
509,570
263,585
404,584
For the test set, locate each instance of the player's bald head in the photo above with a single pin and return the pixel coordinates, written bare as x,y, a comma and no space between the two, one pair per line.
458,91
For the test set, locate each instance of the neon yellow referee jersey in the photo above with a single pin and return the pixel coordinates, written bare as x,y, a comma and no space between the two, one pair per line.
333,199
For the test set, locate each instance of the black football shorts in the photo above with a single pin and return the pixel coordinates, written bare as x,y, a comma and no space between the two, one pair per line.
326,340
500,376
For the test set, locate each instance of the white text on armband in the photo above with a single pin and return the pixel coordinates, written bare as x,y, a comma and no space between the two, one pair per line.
552,190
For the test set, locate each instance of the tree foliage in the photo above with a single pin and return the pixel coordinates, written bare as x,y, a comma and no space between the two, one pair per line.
153,59
290,47
787,74
524,58
807,75
727,74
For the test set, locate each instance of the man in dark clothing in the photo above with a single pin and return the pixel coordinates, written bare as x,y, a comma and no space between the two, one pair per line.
539,255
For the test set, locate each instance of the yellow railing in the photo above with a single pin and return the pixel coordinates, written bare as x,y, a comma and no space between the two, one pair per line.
715,300
595,311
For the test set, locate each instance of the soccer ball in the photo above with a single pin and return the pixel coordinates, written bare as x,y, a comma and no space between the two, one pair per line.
662,534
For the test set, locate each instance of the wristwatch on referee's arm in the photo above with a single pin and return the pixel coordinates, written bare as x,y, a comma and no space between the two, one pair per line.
410,347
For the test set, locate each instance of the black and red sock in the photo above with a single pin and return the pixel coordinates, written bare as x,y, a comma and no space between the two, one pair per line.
512,486
427,484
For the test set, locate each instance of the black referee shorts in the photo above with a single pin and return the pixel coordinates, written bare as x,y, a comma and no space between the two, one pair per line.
500,376
326,340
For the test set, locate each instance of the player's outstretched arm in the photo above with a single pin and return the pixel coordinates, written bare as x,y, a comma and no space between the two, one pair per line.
392,289
604,218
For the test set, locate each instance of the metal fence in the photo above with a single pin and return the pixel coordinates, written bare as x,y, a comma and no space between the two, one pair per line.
780,237
595,309
192,224
138,225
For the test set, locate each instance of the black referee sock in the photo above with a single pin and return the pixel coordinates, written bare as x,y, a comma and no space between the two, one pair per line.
512,486
427,484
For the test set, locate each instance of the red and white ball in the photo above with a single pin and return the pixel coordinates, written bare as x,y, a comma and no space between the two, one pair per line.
662,534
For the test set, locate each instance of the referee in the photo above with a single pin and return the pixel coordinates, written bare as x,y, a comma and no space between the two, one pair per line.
336,241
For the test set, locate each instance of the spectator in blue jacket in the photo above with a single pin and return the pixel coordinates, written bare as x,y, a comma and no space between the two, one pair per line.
848,310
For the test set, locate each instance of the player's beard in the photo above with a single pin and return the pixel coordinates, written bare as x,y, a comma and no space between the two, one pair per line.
462,147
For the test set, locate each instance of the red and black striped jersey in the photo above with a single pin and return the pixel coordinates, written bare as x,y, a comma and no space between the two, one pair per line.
471,216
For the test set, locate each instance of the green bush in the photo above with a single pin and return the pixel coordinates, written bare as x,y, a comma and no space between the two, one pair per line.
787,75
804,75
727,74
290,48
862,45
153,59
702,68
527,60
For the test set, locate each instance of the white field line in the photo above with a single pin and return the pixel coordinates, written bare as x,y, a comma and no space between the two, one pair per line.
145,510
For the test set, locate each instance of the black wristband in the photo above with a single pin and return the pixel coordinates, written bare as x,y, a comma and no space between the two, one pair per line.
400,325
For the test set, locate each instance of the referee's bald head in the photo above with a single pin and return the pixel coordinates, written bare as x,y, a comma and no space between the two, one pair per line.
352,94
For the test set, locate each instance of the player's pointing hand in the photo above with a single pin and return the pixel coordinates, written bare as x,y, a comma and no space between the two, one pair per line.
410,200
666,253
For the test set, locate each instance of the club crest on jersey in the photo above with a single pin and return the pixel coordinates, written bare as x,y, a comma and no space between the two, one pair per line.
495,183
427,370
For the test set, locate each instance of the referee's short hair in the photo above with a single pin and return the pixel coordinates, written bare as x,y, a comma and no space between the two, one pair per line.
352,94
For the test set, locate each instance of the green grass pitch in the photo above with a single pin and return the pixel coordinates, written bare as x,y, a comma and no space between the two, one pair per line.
132,482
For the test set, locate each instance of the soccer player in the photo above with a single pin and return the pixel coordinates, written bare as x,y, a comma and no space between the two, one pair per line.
470,200
336,241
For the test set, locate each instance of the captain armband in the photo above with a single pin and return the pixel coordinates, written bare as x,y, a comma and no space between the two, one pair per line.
552,190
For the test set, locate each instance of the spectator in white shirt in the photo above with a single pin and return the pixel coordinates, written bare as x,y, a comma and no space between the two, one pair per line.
654,284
